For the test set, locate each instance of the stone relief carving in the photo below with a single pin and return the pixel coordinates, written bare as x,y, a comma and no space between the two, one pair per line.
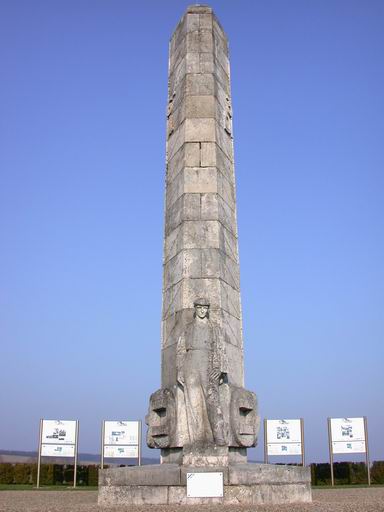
161,419
228,116
201,368
171,125
245,422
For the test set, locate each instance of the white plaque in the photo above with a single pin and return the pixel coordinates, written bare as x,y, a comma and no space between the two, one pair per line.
348,447
121,432
284,449
58,450
347,430
205,485
123,452
59,432
284,431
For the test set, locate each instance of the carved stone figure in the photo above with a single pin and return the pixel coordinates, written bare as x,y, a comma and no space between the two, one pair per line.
161,419
245,422
201,369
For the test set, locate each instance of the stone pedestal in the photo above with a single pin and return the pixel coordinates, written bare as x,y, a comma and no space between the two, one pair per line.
165,484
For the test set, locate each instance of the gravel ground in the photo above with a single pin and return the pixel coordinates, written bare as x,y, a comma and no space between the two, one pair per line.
324,500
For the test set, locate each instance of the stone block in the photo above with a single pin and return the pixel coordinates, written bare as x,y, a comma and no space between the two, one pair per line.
132,495
252,474
200,106
192,60
178,496
226,216
200,180
168,367
226,190
206,22
224,141
201,234
153,474
208,154
173,325
193,288
172,299
173,243
235,355
199,84
207,63
205,469
228,243
200,130
175,141
232,329
230,300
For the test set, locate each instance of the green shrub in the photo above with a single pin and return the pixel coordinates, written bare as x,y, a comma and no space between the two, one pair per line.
93,475
22,474
377,472
6,473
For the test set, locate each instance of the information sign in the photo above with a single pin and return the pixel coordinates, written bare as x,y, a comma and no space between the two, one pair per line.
59,432
347,429
58,438
283,437
122,452
205,485
284,449
121,440
348,435
121,432
58,450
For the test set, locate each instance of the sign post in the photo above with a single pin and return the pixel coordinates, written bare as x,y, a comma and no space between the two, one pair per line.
120,439
284,437
58,438
348,435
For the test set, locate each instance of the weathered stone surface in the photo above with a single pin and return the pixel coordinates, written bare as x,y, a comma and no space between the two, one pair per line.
244,484
252,474
110,495
153,475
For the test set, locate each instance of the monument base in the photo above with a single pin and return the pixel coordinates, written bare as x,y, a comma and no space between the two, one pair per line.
165,484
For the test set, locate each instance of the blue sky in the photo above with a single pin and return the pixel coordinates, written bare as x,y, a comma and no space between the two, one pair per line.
82,135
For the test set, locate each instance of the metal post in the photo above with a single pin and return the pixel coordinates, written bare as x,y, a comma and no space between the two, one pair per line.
265,442
330,451
39,454
367,450
139,447
102,444
302,442
76,449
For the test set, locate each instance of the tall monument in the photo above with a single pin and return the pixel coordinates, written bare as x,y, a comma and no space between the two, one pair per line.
202,418
202,414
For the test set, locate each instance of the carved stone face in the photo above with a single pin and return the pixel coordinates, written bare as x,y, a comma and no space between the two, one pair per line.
161,419
245,422
201,311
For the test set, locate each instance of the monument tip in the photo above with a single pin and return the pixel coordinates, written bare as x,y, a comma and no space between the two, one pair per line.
199,9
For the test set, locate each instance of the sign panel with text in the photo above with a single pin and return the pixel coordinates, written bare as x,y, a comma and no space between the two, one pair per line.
121,432
59,432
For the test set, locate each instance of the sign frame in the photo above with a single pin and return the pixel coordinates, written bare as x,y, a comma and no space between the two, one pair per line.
332,453
117,444
301,442
66,444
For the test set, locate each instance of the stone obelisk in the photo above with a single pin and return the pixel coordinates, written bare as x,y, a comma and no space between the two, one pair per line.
201,418
201,261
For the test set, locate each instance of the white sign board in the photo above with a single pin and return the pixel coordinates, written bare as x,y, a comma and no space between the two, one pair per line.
347,429
205,485
284,449
346,447
121,432
284,431
59,432
58,450
123,452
